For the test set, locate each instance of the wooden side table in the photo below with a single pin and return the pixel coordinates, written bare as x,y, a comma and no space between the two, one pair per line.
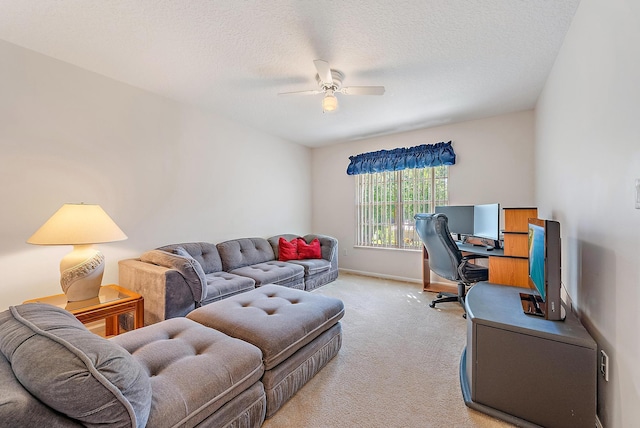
112,301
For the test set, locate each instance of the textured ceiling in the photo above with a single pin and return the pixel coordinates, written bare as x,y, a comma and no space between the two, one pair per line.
440,61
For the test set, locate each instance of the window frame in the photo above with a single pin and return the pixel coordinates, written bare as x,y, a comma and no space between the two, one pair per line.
397,223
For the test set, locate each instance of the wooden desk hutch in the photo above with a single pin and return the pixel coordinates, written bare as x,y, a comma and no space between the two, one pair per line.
513,267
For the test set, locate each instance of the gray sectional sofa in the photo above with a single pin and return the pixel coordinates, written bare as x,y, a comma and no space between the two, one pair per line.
175,279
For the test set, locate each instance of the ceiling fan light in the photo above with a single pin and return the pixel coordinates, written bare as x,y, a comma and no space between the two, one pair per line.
329,103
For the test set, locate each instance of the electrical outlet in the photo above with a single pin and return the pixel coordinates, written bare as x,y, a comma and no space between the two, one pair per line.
344,252
638,193
604,365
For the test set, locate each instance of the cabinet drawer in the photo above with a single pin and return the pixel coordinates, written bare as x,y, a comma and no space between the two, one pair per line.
517,219
516,244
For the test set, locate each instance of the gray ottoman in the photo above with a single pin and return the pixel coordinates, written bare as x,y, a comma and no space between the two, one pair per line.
199,376
297,331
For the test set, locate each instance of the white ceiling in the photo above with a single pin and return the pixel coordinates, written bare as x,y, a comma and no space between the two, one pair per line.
440,60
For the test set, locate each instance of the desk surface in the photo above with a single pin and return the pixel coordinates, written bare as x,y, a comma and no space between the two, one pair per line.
499,305
480,249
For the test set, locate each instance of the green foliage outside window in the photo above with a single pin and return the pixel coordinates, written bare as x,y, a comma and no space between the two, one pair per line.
387,201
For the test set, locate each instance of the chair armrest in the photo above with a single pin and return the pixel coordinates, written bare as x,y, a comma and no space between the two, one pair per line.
474,256
471,272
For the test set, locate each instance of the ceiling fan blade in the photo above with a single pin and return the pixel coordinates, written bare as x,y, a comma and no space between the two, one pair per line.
311,92
324,71
362,90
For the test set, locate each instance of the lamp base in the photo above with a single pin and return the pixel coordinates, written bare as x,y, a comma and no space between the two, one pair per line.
81,273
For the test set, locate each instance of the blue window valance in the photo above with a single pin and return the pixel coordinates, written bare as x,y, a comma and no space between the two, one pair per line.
423,156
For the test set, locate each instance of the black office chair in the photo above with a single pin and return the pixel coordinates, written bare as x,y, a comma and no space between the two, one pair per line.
445,258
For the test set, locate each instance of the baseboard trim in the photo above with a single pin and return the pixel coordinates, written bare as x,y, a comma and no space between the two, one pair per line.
380,275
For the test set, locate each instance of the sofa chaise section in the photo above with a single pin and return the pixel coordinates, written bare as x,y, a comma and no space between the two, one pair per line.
198,375
297,332
56,373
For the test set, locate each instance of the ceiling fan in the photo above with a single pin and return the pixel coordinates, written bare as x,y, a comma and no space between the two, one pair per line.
330,82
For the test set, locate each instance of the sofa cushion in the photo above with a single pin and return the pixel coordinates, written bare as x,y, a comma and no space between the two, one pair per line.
287,250
224,284
271,272
242,252
205,253
185,265
72,370
313,266
309,251
194,370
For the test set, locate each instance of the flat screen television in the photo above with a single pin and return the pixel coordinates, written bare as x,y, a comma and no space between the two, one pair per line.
459,218
486,222
544,270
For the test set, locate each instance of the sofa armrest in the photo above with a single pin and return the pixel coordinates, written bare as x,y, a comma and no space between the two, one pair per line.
166,292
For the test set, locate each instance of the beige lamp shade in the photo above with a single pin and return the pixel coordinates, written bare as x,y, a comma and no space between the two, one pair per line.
80,225
75,224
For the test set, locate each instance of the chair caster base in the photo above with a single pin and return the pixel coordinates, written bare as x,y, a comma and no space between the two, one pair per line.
432,305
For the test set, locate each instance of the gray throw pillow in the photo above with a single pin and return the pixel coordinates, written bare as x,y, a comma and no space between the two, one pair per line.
73,371
197,267
18,408
188,267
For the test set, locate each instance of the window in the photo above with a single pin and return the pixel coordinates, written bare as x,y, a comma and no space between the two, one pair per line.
387,201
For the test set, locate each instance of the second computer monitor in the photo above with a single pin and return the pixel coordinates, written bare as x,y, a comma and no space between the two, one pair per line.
486,221
460,218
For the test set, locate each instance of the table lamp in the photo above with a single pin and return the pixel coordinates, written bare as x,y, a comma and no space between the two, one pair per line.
80,225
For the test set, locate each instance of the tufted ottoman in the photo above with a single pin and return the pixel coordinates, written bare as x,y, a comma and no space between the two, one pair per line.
198,375
297,331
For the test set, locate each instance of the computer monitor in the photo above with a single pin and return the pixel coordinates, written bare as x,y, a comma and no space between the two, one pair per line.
460,218
486,222
544,271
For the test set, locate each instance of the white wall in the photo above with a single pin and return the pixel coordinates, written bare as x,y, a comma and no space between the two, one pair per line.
494,163
587,158
165,172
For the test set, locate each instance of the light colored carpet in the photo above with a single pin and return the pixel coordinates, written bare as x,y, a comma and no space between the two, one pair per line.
398,366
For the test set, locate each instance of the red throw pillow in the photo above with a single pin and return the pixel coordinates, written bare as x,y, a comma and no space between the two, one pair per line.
309,251
287,250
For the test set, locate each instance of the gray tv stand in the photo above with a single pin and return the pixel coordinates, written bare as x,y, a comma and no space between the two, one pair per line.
524,369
